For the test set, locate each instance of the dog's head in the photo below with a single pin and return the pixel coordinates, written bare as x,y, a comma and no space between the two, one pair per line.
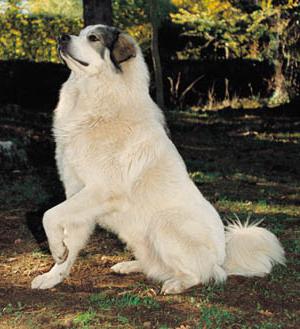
96,47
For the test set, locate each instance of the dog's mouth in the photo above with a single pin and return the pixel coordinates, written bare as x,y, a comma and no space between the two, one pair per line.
63,53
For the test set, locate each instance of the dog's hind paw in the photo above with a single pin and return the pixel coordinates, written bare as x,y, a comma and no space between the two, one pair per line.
172,286
127,267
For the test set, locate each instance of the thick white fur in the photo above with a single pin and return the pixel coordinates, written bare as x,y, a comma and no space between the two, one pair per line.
251,250
121,171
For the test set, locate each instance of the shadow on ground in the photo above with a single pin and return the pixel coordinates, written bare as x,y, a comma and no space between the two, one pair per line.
243,162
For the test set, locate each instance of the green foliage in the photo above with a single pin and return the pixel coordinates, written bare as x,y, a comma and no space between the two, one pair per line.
260,30
32,37
29,30
67,8
227,25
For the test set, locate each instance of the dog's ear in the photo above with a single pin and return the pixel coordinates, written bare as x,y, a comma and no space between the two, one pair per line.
123,49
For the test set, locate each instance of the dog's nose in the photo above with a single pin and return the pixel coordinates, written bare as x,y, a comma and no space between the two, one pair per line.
64,38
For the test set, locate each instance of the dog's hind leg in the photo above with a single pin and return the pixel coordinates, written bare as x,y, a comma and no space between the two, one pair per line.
127,267
186,249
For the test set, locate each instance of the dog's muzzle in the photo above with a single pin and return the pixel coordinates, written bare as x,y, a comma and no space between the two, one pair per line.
63,42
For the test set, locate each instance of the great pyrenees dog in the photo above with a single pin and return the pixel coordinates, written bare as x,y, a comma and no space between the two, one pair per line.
121,171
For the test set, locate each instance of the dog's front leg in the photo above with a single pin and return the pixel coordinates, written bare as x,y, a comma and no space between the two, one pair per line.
74,241
68,227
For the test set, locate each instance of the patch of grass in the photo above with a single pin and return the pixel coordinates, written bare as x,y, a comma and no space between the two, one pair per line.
39,253
213,317
293,245
29,189
101,300
287,137
10,308
259,207
106,302
84,319
16,311
200,177
267,325
208,292
123,319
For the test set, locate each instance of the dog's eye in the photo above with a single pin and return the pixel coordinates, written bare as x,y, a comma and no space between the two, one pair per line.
93,38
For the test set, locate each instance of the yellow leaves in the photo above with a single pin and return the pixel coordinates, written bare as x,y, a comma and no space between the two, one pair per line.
293,3
266,4
178,3
33,38
183,16
15,32
209,10
140,32
51,41
254,50
216,6
184,3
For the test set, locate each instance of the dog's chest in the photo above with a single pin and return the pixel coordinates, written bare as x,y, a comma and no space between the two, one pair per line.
92,143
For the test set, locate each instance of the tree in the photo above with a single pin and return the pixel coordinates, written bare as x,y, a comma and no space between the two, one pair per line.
154,20
97,12
260,30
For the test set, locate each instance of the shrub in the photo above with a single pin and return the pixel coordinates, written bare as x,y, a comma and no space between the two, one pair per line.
33,37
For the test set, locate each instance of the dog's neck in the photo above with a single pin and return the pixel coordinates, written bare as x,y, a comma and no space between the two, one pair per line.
110,93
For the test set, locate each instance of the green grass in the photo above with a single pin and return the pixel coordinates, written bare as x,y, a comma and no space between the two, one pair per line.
84,319
123,319
27,189
106,302
268,325
214,317
15,312
259,207
12,309
200,177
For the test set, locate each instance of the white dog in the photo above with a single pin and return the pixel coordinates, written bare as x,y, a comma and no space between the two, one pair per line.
121,171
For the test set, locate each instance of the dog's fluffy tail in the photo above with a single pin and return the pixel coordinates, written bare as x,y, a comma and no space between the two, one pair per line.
251,250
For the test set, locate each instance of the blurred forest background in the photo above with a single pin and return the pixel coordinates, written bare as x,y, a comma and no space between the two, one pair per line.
215,53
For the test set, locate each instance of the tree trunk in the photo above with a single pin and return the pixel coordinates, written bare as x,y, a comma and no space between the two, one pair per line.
280,94
97,12
154,20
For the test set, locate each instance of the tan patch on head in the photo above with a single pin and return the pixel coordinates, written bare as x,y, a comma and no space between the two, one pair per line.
124,48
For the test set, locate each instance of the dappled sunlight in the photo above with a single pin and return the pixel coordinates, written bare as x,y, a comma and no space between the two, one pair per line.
281,137
241,174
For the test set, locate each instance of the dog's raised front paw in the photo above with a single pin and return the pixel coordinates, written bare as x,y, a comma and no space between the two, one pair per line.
59,252
46,281
126,267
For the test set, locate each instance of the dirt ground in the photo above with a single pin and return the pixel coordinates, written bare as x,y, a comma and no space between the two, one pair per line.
245,162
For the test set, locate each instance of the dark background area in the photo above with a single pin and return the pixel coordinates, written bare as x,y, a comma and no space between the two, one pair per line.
35,86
